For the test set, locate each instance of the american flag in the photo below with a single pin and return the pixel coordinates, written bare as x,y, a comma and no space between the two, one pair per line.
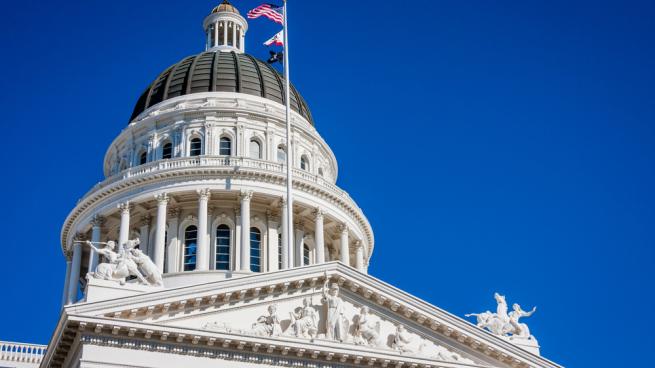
270,11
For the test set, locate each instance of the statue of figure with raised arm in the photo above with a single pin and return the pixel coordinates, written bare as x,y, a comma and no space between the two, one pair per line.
305,323
120,264
503,324
336,323
520,329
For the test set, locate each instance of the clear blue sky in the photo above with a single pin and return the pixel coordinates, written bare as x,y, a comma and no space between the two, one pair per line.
501,146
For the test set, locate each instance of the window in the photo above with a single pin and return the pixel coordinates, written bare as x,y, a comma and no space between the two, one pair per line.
320,171
165,251
230,39
281,154
255,249
225,146
255,149
190,247
279,251
305,254
304,163
238,37
167,151
143,158
223,247
196,147
221,33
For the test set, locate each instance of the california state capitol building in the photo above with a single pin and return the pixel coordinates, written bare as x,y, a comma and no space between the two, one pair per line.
180,257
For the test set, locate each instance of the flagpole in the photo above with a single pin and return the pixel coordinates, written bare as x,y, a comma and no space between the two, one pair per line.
287,99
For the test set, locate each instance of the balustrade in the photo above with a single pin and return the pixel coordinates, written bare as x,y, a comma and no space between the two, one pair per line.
18,352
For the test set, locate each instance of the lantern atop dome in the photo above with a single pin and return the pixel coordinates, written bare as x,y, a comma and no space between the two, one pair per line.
225,29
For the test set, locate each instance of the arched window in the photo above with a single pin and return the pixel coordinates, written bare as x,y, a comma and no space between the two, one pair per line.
255,149
225,146
190,247
281,154
223,247
143,158
304,163
196,147
305,254
167,151
255,249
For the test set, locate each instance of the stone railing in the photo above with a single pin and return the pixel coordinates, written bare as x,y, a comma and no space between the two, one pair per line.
215,161
22,353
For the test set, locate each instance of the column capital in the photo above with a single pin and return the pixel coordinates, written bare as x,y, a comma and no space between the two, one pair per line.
246,195
358,244
204,193
299,224
318,213
97,220
162,198
79,236
283,202
125,207
174,212
343,228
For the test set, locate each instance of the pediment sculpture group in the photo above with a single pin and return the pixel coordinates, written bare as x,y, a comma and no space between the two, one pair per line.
362,329
505,324
121,263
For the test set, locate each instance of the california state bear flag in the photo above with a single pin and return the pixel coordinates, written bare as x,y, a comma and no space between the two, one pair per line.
277,40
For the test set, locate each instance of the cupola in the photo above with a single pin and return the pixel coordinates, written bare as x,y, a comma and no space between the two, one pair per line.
225,29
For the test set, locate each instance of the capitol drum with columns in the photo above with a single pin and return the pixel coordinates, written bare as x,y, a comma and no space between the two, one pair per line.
180,256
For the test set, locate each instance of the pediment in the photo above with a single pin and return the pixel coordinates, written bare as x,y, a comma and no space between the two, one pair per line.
396,324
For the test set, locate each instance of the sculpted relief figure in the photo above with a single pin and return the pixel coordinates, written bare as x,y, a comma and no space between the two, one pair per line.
268,325
402,340
336,323
503,324
367,331
305,322
125,262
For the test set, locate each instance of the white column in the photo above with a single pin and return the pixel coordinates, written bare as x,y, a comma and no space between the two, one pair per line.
202,257
64,293
160,231
215,34
299,241
225,33
273,252
172,253
234,35
318,235
74,274
237,238
96,232
124,233
344,250
144,233
245,229
359,255
285,241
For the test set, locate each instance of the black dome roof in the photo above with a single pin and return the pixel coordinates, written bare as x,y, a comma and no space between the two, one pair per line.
220,72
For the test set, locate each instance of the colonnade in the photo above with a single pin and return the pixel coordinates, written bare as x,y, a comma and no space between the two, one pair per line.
167,217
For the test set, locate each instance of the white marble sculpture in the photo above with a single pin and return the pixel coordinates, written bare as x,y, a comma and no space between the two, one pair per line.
336,323
367,331
124,262
268,325
503,324
402,340
305,322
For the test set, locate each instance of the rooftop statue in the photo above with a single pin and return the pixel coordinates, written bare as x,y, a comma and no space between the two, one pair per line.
125,262
503,324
